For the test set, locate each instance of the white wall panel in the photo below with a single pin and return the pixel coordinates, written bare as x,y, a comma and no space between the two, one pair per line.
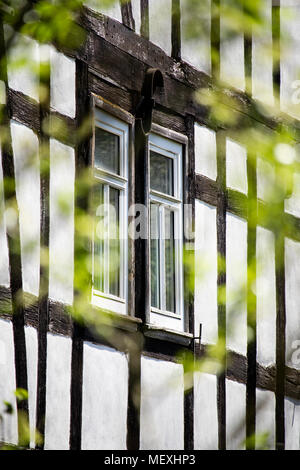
292,204
62,83
162,393
205,151
8,425
205,412
25,148
105,389
235,415
32,361
62,174
265,418
290,60
236,166
23,75
292,286
4,263
113,10
57,421
136,12
206,270
231,54
265,180
236,276
262,64
195,34
160,23
266,297
292,424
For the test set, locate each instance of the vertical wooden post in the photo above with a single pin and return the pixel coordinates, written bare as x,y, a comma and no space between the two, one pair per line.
82,161
127,16
176,30
279,256
14,243
134,393
251,266
215,39
221,245
145,18
43,301
251,303
189,199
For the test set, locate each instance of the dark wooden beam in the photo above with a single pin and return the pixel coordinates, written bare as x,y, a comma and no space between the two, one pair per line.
43,299
134,393
14,246
221,247
176,30
127,16
215,39
145,18
251,302
82,162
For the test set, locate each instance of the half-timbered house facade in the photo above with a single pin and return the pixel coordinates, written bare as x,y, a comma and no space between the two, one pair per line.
152,144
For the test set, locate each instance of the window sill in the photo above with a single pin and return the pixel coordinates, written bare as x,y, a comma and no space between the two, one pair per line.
165,334
118,320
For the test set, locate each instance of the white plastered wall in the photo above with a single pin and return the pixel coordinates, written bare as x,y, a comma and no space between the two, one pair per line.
235,415
8,423
62,83
113,10
58,383
196,50
4,263
236,283
266,297
292,288
205,152
231,54
104,405
292,424
290,60
265,419
205,412
160,15
25,149
206,270
23,75
62,180
31,337
262,63
236,166
162,394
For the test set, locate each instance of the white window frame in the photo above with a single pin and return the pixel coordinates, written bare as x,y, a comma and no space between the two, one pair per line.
100,299
173,150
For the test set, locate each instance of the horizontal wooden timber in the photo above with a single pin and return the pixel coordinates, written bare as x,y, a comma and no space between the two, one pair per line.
159,345
182,79
25,110
206,190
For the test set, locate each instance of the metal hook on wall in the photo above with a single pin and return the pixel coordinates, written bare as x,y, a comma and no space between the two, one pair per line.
153,80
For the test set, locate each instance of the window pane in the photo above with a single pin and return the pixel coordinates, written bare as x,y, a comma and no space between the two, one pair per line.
114,242
154,221
170,260
99,239
107,151
161,173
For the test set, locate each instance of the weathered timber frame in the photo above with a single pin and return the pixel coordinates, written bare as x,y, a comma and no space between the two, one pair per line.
117,89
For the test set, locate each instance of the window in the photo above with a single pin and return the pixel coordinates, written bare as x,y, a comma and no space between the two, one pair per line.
110,203
166,232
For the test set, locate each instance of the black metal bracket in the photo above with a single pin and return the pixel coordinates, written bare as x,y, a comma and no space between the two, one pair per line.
153,80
